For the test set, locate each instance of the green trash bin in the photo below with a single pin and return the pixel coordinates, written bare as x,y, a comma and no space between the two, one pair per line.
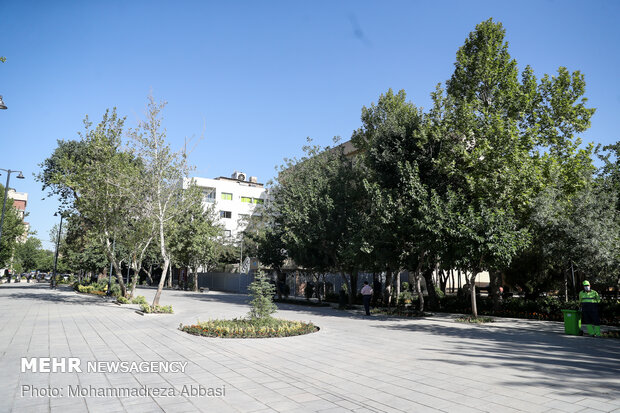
572,322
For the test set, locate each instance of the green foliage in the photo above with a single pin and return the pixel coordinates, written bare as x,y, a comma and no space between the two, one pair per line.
440,294
253,328
157,309
319,212
261,292
139,300
12,228
122,300
29,255
405,297
96,179
192,236
99,288
544,308
474,320
91,289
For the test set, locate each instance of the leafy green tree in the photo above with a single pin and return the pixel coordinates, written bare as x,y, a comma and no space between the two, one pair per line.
27,254
510,137
262,238
408,190
81,249
163,173
192,236
319,212
12,229
93,177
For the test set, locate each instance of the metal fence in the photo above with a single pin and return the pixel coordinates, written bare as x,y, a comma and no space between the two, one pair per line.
225,281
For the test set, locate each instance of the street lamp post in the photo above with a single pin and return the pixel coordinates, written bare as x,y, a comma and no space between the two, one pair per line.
6,189
53,281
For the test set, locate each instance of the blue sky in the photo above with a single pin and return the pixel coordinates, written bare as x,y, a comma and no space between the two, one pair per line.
254,79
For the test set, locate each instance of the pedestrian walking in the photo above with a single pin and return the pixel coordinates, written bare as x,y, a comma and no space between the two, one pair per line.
589,299
366,295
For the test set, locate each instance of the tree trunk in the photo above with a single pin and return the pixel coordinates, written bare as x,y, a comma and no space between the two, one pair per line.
279,283
565,286
195,288
418,289
115,264
472,292
160,287
169,279
452,281
494,288
119,279
136,274
433,300
148,273
353,287
388,288
397,283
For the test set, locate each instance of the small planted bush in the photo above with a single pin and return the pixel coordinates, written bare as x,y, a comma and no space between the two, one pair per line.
475,320
158,309
262,292
122,300
139,300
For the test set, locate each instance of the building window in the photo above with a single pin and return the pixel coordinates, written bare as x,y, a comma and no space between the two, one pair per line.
225,214
209,194
227,233
258,201
226,196
246,199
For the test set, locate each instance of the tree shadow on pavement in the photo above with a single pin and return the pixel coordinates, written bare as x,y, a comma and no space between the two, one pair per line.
42,292
545,358
241,299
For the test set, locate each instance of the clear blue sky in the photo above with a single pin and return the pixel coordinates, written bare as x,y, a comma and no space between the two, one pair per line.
257,78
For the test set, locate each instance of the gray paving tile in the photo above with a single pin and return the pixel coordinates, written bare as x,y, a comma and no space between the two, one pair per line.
353,364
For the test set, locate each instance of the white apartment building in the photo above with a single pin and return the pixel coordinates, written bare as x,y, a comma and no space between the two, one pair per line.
235,199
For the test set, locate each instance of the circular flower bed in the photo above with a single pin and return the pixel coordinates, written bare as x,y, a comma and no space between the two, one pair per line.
252,328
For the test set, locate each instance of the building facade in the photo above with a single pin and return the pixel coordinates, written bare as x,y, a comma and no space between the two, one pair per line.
234,199
20,201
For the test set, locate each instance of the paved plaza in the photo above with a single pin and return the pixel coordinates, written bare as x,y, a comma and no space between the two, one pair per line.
354,363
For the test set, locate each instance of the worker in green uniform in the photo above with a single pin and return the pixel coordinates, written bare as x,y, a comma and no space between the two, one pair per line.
589,299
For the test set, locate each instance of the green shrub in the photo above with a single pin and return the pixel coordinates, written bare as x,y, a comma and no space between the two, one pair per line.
252,328
262,293
543,308
139,300
475,320
122,300
166,309
405,297
440,294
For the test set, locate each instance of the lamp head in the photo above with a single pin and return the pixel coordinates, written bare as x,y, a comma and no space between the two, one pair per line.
20,176
2,105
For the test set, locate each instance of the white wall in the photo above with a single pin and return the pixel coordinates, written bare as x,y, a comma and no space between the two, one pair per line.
237,208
